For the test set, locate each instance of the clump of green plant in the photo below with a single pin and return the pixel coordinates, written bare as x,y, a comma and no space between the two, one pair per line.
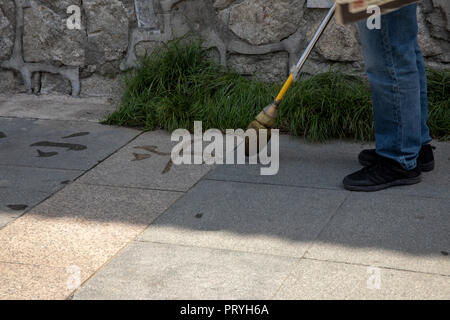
178,84
329,105
439,99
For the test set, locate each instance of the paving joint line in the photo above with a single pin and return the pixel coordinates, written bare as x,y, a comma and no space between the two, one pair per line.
184,195
128,187
30,264
61,120
124,247
135,239
108,156
219,249
311,244
385,193
28,210
34,167
276,184
378,266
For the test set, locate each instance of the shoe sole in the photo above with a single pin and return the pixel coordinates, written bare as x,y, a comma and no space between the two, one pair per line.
425,167
402,182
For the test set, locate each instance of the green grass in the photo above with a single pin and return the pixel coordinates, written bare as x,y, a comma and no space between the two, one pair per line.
439,98
177,85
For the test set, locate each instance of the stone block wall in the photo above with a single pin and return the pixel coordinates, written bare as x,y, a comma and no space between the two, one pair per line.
261,38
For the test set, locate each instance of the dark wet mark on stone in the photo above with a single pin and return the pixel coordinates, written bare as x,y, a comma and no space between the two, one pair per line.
153,150
140,157
17,207
79,134
42,154
66,182
444,253
199,215
2,135
168,167
68,146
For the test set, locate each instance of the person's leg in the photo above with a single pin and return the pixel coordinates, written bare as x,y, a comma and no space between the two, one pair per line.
398,85
425,131
426,156
397,79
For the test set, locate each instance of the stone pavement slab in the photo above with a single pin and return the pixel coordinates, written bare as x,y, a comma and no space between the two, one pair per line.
81,225
391,231
15,202
7,217
21,188
59,144
145,163
275,220
301,164
313,280
55,107
30,282
435,184
162,271
325,166
221,239
38,179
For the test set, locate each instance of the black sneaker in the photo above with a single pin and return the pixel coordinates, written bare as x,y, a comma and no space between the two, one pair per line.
384,173
425,160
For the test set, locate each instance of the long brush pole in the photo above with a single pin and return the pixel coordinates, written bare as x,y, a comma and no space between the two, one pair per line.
266,119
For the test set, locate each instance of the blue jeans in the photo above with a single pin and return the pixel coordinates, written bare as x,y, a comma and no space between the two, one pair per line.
396,71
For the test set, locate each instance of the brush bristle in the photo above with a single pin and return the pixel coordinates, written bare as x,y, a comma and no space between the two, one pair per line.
256,125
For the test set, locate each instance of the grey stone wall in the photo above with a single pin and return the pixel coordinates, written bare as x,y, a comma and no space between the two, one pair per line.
260,38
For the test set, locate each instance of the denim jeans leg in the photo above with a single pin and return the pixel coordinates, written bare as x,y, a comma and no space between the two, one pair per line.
426,138
392,67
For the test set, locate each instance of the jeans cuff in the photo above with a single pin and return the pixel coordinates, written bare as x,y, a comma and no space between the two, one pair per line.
408,165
